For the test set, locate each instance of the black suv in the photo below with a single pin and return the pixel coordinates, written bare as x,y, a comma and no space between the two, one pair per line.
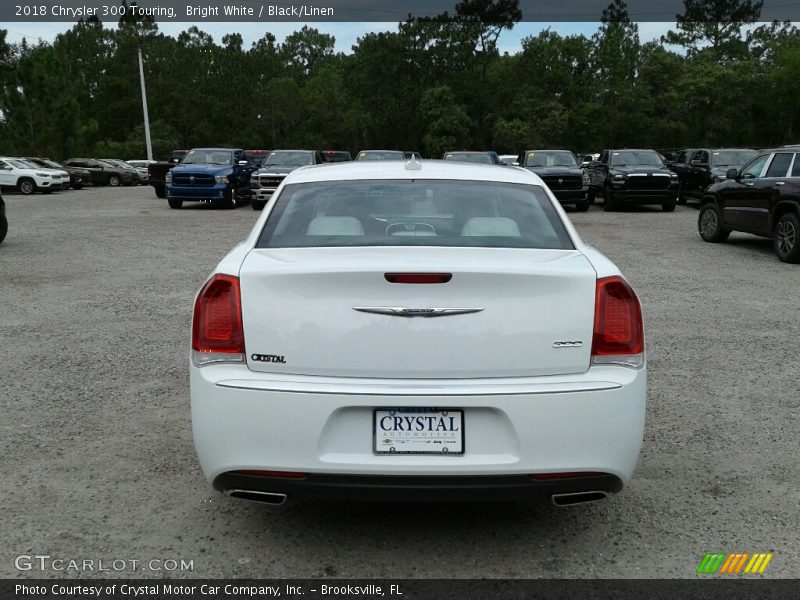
560,171
698,168
633,176
762,198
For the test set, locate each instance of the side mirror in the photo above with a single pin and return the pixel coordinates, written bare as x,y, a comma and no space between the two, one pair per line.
731,173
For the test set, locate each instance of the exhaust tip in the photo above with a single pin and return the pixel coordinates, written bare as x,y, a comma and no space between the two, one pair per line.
561,500
271,498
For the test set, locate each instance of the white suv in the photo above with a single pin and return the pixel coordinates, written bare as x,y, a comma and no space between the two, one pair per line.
27,178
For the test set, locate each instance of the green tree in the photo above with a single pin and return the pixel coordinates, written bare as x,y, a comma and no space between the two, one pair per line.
448,125
715,27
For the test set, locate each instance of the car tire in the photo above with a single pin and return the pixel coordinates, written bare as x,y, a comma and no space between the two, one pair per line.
258,204
231,200
709,224
175,202
787,238
3,229
583,205
113,181
161,192
590,196
669,205
26,186
77,187
681,196
609,202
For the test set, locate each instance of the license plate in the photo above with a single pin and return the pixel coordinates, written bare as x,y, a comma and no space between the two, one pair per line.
418,431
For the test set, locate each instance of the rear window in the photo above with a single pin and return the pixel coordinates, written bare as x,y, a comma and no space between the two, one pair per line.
414,213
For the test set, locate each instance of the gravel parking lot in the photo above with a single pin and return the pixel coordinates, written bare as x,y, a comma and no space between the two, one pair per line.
96,288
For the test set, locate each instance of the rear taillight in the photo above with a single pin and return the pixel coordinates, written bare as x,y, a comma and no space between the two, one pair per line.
423,278
618,330
217,333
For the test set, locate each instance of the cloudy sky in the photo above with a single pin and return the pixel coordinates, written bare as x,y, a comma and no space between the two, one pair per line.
346,34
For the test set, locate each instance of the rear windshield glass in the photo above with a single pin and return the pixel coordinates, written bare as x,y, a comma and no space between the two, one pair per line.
414,213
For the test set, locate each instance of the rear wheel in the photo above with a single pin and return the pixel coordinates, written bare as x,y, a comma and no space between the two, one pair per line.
161,192
113,180
3,228
258,204
787,238
26,186
175,202
709,224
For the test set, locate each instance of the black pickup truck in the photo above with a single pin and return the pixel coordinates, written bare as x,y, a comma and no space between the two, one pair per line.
698,168
157,171
560,172
631,176
276,166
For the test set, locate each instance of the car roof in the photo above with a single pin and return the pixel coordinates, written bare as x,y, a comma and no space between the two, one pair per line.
430,169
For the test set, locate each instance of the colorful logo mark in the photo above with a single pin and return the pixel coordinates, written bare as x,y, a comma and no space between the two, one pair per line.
724,563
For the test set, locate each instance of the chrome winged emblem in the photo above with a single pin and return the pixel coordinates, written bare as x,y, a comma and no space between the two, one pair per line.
400,311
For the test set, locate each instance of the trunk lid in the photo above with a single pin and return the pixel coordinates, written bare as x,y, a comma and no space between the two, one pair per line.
298,310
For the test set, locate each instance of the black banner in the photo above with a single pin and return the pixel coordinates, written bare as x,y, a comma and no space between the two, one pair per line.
401,589
199,11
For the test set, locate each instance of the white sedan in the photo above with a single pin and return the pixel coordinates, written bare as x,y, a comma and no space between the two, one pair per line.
416,331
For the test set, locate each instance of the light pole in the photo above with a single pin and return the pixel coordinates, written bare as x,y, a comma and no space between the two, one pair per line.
144,107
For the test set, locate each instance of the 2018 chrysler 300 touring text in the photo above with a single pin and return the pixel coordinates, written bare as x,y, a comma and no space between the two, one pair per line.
416,331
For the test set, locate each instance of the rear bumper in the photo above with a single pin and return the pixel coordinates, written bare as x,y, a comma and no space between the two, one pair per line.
382,488
323,427
216,192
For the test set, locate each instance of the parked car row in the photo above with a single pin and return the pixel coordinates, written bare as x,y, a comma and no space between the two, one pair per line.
108,171
29,176
738,189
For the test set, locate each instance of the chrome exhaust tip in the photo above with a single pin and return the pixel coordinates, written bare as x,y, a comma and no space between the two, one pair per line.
561,500
271,498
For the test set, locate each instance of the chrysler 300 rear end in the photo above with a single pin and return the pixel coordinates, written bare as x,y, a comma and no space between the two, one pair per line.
435,333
